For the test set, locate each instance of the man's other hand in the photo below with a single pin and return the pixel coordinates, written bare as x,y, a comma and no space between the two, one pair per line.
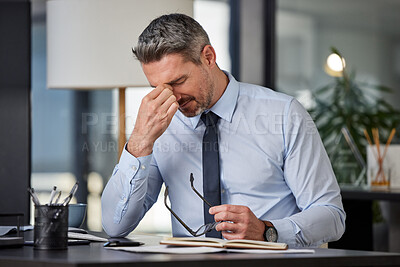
237,222
154,116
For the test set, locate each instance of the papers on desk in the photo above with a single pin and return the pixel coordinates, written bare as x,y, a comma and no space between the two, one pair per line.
169,250
13,229
73,235
12,241
202,250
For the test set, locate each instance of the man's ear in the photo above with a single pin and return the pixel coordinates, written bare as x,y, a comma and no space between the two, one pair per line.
208,56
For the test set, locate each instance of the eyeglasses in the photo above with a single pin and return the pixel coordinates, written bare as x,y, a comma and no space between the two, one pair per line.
204,228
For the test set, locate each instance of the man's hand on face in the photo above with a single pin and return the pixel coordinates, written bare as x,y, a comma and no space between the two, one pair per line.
155,114
240,221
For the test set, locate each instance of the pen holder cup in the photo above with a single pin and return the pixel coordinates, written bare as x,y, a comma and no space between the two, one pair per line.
51,227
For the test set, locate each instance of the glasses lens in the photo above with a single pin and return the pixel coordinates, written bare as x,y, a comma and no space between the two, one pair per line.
206,228
202,230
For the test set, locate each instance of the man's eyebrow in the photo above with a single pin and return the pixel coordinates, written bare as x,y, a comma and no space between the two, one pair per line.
173,81
177,79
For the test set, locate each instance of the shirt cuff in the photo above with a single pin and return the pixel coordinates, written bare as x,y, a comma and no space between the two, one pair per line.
287,231
130,165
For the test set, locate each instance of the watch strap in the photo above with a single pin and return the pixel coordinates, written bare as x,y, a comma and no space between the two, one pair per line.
268,224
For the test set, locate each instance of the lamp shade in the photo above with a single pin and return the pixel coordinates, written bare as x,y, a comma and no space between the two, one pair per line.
89,42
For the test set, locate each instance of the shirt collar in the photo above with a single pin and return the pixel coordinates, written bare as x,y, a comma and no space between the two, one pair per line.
225,106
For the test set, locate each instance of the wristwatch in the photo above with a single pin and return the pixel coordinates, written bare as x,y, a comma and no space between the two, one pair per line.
270,233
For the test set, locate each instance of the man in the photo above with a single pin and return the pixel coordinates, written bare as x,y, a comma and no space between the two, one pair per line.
272,178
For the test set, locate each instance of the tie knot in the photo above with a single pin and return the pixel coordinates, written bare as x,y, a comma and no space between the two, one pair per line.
210,118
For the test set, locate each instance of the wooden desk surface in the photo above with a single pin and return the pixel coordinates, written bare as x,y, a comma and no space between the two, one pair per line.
95,255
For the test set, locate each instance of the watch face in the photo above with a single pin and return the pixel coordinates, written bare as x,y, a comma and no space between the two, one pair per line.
271,235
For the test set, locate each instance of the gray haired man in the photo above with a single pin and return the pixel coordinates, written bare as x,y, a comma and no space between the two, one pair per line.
275,181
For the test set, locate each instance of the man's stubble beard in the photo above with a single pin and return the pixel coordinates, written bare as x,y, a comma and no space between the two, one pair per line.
204,100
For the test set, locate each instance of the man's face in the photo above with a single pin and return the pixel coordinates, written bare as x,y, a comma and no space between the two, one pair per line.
191,83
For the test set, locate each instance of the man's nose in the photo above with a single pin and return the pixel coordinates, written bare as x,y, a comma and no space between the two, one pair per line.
177,95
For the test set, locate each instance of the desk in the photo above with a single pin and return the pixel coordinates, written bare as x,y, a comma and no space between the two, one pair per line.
357,193
95,255
357,203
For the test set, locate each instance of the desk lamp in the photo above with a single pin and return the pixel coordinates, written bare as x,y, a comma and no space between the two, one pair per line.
89,44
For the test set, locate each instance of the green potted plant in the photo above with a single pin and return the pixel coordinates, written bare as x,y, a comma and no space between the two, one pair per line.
346,103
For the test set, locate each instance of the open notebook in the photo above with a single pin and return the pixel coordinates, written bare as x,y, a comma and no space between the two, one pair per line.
220,243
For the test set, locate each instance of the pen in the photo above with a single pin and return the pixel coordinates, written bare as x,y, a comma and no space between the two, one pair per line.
52,194
58,198
35,199
70,195
122,244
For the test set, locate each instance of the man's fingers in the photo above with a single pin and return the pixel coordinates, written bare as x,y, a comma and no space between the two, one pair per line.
163,96
237,222
166,105
157,102
172,110
227,226
159,94
167,110
234,235
228,208
227,216
154,93
229,236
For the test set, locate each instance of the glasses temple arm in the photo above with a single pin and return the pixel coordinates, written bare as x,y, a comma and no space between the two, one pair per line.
194,189
174,214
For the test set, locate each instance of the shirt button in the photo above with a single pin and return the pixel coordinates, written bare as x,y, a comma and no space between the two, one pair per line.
143,167
124,198
134,168
223,191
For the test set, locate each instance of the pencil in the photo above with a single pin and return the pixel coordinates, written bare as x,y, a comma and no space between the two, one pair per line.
375,135
388,142
370,143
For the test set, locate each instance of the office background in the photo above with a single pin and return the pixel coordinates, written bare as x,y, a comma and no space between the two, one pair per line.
282,44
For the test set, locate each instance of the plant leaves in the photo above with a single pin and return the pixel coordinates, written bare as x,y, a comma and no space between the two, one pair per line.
346,102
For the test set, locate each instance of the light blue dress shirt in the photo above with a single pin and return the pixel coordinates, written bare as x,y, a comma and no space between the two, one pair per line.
271,157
